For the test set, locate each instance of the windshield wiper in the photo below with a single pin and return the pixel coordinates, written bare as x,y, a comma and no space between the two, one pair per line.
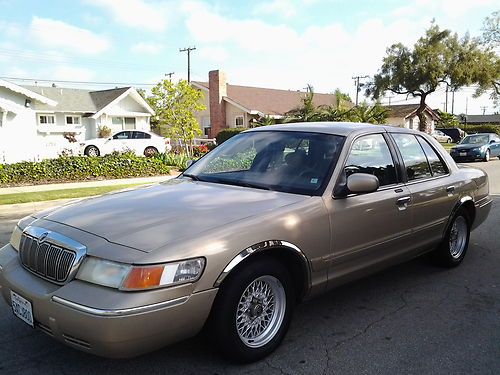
192,176
240,183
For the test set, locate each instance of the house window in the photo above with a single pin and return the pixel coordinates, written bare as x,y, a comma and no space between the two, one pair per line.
129,123
73,120
46,119
238,121
117,121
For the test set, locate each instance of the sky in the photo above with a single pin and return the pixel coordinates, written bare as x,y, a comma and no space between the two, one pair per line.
283,44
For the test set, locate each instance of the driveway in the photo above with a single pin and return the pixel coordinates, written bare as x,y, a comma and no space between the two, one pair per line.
413,318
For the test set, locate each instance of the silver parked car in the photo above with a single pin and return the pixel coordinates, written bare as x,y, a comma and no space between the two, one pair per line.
271,217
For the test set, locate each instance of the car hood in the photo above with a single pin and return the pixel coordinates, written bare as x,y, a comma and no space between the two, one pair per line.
150,217
467,146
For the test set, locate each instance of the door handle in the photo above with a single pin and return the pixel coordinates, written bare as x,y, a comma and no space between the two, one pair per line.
403,201
450,189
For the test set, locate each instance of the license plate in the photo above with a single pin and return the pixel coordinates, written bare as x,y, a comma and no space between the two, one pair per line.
463,154
22,308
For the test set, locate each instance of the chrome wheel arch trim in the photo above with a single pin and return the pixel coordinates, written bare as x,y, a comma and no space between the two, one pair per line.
458,205
259,247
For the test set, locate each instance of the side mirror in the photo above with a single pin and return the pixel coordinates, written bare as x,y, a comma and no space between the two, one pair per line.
360,183
189,163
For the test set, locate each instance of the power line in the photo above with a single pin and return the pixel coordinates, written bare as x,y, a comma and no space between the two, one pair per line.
78,82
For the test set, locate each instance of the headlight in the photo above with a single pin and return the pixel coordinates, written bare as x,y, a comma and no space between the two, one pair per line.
15,238
127,277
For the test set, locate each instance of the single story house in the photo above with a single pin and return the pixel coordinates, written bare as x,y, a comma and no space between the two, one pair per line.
229,106
480,119
34,119
404,115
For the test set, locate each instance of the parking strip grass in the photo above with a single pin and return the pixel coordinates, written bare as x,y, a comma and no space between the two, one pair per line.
60,194
448,146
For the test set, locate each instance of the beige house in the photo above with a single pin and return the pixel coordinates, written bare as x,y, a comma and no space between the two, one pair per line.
229,106
404,115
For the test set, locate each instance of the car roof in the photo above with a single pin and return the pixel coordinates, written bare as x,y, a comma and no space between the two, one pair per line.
336,128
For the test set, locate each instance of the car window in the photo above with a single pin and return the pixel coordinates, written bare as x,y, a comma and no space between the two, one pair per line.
122,135
475,139
140,135
438,167
370,154
414,158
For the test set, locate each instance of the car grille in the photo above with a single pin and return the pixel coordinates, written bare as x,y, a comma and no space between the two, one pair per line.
51,262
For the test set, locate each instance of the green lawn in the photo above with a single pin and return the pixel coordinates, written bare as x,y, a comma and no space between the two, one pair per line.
59,194
448,146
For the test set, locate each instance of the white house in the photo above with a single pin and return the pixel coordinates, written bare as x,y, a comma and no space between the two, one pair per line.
404,115
34,119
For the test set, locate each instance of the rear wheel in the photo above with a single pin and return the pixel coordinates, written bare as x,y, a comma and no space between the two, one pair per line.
448,140
252,311
150,151
91,151
452,249
487,155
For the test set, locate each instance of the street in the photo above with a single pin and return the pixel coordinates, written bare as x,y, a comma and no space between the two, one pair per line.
413,318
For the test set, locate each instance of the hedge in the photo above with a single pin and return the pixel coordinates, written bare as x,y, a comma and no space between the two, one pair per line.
225,134
78,168
487,128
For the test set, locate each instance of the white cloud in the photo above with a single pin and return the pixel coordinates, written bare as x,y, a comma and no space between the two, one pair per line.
70,73
57,34
136,13
216,54
149,48
285,8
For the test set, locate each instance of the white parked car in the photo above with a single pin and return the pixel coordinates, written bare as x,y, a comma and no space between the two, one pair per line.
441,137
138,141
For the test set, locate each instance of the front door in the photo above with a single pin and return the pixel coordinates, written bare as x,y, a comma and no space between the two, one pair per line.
368,229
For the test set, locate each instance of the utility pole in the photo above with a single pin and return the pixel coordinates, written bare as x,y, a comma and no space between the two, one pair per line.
484,109
169,76
356,82
466,104
446,100
188,50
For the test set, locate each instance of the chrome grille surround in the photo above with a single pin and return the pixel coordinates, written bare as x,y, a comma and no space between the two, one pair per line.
50,255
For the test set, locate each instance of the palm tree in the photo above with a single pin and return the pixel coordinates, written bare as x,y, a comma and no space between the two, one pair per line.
306,112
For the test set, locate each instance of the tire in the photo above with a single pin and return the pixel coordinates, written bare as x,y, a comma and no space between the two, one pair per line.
91,151
453,248
228,321
150,151
448,140
487,156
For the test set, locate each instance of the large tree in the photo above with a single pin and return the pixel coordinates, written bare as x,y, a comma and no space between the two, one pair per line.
175,105
439,57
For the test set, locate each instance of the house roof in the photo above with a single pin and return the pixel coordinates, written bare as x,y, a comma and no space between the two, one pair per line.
407,110
483,119
268,101
77,100
27,92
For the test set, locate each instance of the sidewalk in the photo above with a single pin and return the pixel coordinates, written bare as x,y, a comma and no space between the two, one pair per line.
73,185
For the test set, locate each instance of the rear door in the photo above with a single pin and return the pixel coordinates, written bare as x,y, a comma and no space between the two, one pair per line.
432,190
368,229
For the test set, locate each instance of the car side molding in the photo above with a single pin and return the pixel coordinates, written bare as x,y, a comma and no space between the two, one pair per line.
257,248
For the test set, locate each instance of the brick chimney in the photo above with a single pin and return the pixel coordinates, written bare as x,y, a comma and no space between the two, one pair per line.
217,89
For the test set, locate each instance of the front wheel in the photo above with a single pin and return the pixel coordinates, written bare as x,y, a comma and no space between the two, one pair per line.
452,249
252,311
92,151
487,156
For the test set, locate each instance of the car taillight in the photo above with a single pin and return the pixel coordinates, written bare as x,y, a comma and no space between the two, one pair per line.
167,141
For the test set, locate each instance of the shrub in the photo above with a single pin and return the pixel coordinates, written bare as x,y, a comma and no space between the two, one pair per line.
225,134
199,151
103,131
78,168
487,128
173,159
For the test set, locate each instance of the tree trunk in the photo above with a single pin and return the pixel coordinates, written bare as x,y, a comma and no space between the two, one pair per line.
422,126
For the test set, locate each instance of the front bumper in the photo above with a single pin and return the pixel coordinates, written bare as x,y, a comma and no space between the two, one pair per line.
130,330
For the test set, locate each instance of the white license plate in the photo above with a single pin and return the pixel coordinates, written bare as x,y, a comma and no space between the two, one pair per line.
463,154
22,308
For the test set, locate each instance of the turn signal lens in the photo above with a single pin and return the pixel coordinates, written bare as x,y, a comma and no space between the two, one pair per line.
143,277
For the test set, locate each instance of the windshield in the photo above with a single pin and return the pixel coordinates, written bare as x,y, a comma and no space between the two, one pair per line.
287,161
475,139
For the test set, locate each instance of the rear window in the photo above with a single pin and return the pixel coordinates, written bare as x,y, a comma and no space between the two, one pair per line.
414,158
438,167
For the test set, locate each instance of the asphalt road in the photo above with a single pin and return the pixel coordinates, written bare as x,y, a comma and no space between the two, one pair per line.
413,319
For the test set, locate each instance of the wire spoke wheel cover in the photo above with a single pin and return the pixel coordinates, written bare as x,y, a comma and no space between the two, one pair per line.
260,311
458,237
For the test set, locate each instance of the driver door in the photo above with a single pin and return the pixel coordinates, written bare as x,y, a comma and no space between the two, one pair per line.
369,229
